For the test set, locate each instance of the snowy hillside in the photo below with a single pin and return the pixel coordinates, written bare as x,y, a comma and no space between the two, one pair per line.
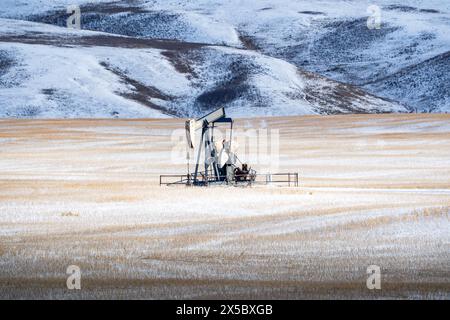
182,58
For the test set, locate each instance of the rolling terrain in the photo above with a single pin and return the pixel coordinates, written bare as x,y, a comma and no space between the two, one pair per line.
176,59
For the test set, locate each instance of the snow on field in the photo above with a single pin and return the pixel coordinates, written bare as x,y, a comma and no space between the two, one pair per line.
373,190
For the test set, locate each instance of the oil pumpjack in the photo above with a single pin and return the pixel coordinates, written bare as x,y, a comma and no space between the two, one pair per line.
215,162
219,166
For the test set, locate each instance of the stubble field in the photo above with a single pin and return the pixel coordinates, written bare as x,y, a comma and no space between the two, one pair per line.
374,190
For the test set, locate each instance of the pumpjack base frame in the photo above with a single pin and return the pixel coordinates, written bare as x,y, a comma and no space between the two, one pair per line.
281,179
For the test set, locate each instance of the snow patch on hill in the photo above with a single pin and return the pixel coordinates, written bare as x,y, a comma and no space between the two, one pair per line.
63,82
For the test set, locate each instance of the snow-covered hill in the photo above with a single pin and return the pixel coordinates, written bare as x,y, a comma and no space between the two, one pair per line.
424,85
254,57
53,72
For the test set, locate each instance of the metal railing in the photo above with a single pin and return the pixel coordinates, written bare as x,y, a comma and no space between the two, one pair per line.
288,179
